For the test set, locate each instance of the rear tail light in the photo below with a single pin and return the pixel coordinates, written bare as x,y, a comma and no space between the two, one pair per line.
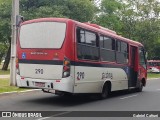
17,67
17,63
66,68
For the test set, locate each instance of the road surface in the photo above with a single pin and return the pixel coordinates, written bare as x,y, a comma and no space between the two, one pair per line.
148,100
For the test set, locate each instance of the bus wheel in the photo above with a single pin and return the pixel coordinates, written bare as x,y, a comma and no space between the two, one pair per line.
140,88
105,92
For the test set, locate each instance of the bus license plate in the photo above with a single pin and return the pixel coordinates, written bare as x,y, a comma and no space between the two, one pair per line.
40,84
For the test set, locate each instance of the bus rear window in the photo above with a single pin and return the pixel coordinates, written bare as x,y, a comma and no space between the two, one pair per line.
42,35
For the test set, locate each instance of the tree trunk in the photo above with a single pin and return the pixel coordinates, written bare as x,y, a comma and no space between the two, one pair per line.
7,59
0,60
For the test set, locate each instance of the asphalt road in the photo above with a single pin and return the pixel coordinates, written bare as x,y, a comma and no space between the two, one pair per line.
148,100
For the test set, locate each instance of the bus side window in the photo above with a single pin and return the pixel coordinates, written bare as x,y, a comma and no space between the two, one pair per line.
87,46
142,58
122,52
80,36
118,46
90,38
107,48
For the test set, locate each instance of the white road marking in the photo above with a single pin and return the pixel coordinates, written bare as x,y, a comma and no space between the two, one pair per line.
158,89
128,96
43,118
61,113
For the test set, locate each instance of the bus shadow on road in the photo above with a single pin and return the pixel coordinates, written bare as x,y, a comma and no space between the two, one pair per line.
56,100
76,99
121,93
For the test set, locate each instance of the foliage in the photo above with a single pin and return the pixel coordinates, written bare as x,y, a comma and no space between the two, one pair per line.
155,52
5,21
5,26
3,50
144,23
81,10
108,16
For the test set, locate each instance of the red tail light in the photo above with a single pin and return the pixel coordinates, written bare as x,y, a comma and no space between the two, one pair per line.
66,68
17,67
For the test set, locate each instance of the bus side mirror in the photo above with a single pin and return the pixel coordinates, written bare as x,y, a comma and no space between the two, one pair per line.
19,20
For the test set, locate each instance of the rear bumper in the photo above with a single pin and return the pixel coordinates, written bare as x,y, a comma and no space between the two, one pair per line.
65,84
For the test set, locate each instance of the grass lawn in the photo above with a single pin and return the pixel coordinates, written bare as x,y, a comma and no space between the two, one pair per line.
2,72
5,87
153,75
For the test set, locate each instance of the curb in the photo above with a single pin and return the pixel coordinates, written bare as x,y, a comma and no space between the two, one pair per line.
19,92
153,78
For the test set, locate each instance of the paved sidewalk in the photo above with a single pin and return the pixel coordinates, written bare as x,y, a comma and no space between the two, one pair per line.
4,76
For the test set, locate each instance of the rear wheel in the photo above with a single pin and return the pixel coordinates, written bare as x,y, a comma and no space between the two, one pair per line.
105,92
140,88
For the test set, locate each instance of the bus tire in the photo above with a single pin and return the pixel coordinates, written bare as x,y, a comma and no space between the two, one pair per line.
140,88
105,91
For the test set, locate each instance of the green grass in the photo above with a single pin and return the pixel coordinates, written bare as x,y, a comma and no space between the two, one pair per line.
4,72
5,87
153,75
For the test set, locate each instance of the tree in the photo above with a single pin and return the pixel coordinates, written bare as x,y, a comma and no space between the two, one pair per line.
5,21
108,16
81,10
144,23
155,52
5,29
3,50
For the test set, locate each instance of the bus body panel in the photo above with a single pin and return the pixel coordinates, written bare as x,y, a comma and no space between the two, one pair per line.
91,79
40,71
43,67
63,84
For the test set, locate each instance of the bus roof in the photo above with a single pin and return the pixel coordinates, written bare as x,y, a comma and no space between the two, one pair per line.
153,60
93,27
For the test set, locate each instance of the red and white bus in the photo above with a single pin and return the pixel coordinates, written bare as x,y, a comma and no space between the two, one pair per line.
153,65
66,56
